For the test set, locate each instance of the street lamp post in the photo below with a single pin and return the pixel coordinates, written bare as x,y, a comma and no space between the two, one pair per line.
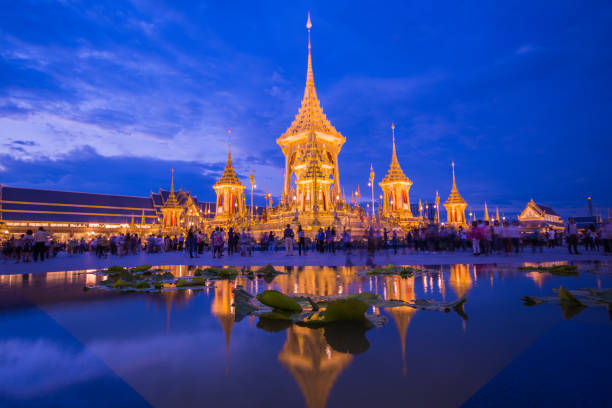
252,179
372,185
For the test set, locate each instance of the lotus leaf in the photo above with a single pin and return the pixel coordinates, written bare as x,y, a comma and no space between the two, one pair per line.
346,310
277,300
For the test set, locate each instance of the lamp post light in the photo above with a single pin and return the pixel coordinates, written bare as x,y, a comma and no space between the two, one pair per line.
252,179
372,185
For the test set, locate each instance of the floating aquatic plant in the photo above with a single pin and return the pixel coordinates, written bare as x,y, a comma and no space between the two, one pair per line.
142,285
277,300
119,284
346,310
562,270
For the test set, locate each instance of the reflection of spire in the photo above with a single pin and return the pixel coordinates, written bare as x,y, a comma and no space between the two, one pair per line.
460,279
222,309
313,363
401,289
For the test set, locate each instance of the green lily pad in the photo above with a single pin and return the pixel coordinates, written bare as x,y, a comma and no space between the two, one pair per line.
277,300
346,310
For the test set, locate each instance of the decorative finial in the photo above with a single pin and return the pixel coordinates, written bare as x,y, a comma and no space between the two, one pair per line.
172,181
453,165
309,75
394,155
229,131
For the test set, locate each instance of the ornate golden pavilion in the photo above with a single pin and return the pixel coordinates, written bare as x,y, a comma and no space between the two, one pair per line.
455,205
311,146
396,199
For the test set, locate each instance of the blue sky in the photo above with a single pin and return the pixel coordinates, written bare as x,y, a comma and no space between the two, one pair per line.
107,98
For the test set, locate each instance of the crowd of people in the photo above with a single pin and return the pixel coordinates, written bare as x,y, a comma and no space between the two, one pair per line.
481,238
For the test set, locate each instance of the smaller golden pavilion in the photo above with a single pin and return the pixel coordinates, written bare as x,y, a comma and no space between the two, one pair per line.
171,212
455,205
396,192
230,192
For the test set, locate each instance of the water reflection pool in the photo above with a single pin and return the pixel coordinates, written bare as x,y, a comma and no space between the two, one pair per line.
61,346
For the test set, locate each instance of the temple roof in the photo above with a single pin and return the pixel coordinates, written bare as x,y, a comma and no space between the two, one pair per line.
30,204
545,208
455,197
395,173
310,115
229,176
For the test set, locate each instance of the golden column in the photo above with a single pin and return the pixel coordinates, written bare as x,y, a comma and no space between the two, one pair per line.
437,207
252,180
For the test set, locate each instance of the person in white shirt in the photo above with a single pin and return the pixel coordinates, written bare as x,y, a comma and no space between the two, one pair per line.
40,244
571,232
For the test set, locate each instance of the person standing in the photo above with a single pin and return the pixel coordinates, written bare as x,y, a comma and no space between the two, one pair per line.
346,238
475,237
606,236
394,242
571,231
288,235
40,244
301,240
27,244
190,242
371,246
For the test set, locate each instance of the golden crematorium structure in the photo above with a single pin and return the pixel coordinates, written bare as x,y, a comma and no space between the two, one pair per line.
312,194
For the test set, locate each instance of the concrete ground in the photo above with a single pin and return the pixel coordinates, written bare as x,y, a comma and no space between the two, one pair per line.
63,262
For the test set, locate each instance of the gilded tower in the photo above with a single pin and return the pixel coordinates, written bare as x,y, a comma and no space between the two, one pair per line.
311,146
230,191
455,205
396,187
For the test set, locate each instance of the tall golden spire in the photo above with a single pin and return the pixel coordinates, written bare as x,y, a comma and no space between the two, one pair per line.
497,213
171,201
310,90
229,145
310,115
395,173
486,213
229,176
455,197
172,182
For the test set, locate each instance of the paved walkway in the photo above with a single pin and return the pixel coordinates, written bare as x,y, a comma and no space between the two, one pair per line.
88,261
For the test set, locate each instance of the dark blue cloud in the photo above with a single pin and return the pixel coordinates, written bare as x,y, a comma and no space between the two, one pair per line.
517,93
